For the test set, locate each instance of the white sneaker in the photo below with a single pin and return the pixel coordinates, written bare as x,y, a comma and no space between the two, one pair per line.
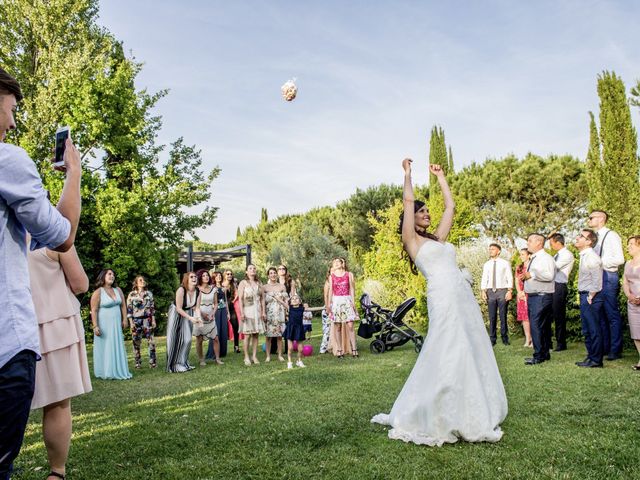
300,364
289,365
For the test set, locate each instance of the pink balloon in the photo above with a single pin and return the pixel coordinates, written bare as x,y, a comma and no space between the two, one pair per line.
307,350
295,345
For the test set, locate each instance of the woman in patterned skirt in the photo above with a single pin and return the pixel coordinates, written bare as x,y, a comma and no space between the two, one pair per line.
343,310
252,313
182,316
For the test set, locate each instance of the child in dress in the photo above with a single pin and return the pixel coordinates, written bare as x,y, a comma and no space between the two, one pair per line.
295,330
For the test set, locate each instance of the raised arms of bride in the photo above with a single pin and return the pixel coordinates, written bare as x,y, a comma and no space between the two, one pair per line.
410,239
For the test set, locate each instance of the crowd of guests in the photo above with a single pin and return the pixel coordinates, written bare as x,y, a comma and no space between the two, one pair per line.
542,292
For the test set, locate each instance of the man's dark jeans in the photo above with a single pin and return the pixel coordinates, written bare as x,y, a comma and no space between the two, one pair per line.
17,380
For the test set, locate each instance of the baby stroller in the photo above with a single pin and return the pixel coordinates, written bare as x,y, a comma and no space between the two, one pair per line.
387,326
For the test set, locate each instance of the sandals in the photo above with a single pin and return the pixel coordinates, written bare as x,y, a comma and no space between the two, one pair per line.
636,367
56,474
247,362
354,354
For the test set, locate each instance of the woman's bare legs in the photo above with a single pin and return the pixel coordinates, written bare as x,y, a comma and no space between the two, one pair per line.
268,349
527,333
255,348
338,332
199,340
56,430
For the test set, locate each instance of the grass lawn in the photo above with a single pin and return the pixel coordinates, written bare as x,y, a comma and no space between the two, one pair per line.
237,422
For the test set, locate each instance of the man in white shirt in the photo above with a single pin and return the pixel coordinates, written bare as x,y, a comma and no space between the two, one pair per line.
609,247
591,298
539,286
564,264
497,286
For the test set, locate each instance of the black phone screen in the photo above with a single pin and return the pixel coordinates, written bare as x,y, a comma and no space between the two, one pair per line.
61,137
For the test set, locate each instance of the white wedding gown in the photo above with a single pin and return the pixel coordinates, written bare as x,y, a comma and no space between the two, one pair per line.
454,390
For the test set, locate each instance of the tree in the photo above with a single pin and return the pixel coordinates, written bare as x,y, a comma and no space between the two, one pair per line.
75,72
437,156
307,258
593,164
614,171
510,201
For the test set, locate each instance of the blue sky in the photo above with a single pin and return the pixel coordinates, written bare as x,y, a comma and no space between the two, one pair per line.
499,76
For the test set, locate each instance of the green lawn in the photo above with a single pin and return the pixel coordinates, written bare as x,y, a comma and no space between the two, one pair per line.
236,422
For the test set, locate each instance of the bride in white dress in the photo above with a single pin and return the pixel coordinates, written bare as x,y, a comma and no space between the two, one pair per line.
454,391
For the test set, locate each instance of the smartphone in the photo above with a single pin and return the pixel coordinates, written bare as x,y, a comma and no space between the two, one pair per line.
61,137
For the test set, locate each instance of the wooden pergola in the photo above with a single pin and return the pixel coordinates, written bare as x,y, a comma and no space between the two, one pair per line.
190,261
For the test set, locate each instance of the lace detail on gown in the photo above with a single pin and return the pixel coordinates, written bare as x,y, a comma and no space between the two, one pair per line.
454,390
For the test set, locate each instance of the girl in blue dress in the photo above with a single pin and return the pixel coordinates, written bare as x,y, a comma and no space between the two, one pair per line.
294,330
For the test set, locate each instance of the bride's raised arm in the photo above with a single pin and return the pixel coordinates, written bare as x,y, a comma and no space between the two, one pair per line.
444,227
409,236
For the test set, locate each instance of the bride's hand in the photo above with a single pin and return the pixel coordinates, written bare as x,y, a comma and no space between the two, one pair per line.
436,170
406,165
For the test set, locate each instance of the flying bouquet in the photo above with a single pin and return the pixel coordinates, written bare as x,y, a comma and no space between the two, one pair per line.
289,90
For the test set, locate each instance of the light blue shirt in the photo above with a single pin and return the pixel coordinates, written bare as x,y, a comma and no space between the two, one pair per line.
24,207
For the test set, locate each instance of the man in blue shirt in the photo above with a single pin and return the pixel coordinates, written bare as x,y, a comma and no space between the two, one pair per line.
24,207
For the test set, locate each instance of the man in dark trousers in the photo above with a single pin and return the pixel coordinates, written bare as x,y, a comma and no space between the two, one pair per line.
539,286
497,290
564,264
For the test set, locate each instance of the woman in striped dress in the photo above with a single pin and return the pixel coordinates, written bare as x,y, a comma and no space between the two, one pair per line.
182,316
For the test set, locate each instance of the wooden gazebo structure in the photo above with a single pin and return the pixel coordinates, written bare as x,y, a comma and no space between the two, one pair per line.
190,261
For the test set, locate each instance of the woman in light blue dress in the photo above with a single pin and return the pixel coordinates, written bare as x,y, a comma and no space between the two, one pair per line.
109,317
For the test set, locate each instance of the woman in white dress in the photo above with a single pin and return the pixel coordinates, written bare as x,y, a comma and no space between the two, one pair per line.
454,391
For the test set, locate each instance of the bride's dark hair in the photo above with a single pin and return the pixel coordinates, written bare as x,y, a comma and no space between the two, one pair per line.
417,205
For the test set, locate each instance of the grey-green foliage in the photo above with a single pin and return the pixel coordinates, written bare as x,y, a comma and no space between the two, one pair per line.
308,256
513,196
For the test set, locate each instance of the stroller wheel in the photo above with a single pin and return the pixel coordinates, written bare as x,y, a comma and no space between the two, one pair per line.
418,344
377,346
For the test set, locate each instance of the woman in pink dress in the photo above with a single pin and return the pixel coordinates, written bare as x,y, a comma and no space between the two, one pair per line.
631,287
342,305
522,314
63,371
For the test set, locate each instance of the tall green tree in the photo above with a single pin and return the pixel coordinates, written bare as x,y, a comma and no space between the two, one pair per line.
614,175
75,72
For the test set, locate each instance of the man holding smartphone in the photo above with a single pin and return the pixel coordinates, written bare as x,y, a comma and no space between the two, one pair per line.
24,207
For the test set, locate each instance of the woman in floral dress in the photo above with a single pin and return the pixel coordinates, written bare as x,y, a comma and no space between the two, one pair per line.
252,313
276,302
142,321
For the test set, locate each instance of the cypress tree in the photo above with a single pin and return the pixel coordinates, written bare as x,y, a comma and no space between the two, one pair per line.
614,171
450,169
437,156
594,165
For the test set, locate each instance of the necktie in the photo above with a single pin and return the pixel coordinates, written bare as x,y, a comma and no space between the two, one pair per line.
555,257
493,280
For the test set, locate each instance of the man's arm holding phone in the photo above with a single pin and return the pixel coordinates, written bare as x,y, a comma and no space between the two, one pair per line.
70,202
